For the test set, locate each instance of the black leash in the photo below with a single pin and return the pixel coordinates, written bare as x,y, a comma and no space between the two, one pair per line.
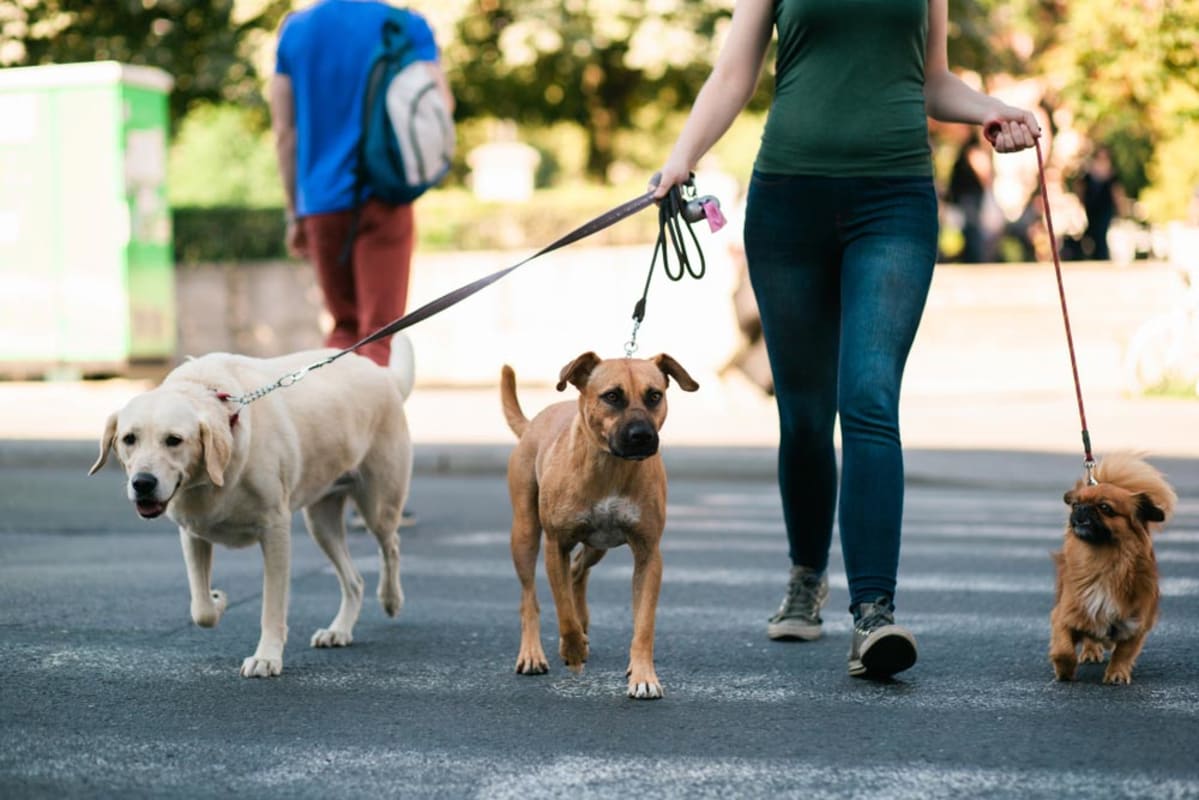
676,211
668,211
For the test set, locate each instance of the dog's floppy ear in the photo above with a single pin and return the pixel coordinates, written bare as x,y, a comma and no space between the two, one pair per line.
672,369
1147,511
106,439
218,450
578,371
1068,497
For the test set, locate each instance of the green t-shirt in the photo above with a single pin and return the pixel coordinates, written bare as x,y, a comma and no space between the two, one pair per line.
849,89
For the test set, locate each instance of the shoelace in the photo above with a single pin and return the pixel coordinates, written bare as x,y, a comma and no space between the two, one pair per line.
799,589
878,616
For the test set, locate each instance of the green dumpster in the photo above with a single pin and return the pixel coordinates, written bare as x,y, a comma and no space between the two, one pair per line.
87,278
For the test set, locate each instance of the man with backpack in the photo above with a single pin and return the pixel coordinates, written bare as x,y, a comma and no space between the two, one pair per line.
330,95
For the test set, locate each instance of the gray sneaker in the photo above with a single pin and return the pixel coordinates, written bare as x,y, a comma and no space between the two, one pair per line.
799,615
880,647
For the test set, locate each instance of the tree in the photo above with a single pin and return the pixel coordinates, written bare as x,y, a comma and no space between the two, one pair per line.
204,44
1130,73
592,62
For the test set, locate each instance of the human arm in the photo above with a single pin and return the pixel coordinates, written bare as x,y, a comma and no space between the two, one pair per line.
283,124
948,99
725,92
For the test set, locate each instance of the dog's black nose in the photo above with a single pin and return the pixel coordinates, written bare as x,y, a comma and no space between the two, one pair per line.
143,483
1088,525
638,439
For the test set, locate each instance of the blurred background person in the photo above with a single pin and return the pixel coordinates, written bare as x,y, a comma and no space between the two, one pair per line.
971,190
1102,198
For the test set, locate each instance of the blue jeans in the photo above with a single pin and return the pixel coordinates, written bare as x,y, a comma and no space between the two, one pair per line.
841,269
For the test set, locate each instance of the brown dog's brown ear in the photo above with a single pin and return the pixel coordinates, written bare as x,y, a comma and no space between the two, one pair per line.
106,441
672,369
218,450
578,371
1068,498
1147,511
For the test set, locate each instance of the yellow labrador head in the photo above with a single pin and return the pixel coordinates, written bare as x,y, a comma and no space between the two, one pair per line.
165,439
623,400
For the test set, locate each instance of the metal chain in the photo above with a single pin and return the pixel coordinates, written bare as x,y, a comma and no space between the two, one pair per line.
289,379
630,346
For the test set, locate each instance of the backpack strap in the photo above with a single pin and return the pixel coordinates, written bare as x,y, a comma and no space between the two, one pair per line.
394,39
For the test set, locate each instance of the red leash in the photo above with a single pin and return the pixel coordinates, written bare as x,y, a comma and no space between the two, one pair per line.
1088,458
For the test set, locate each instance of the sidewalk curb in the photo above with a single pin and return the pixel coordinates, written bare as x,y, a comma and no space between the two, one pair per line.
1005,470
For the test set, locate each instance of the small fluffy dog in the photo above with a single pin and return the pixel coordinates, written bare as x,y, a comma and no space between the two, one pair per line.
1107,592
589,473
235,479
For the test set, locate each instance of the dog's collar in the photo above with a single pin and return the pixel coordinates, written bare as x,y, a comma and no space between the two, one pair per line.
225,397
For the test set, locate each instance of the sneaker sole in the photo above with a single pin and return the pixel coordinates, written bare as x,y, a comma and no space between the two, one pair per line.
891,653
790,631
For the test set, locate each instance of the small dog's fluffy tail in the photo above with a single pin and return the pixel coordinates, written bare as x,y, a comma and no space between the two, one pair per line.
517,420
1131,472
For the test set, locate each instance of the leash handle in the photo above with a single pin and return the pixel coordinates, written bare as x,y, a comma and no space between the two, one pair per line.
991,132
678,209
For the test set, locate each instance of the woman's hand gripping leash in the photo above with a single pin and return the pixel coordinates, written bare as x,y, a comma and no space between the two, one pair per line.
678,205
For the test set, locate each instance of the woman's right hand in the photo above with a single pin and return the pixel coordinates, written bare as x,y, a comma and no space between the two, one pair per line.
673,173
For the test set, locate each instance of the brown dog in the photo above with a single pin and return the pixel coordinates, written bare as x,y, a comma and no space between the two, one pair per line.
1107,593
590,474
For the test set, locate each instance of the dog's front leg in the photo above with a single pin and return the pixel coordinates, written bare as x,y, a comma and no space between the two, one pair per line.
572,642
526,541
1124,656
267,660
647,583
207,604
1063,652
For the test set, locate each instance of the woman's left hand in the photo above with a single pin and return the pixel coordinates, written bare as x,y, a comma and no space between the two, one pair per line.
1009,129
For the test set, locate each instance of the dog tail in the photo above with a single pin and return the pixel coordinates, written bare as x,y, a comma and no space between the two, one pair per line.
403,363
517,420
1129,470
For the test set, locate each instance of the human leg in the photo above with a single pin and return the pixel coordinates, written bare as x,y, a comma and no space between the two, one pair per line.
890,250
887,268
327,234
382,262
792,260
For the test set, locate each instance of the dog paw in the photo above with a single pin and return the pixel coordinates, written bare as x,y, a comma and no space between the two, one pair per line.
1064,668
645,686
332,637
208,614
1091,653
1117,676
532,664
574,652
392,600
259,667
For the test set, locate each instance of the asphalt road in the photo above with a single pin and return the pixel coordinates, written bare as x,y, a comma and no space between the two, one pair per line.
108,690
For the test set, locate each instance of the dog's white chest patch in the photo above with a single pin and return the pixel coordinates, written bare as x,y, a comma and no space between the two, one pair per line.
607,523
1099,604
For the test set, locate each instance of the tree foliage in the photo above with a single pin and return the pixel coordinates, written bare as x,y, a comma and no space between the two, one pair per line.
1129,72
592,62
206,45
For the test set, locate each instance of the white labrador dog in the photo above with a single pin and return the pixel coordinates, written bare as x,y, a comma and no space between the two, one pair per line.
339,433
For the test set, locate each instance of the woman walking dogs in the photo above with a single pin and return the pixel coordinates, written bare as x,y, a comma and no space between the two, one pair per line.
841,237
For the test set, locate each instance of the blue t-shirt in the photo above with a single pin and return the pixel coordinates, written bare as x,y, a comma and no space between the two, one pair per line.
326,50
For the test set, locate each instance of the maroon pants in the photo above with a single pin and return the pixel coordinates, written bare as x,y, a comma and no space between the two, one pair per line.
372,289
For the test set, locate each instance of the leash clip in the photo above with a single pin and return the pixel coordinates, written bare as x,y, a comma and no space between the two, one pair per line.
630,346
294,378
1089,465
